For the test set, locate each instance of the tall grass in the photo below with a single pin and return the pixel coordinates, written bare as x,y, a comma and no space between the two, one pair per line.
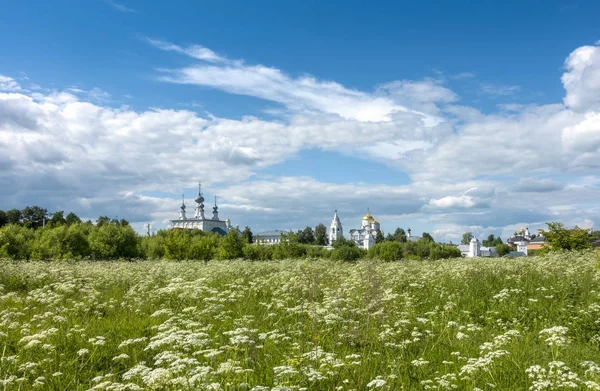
530,323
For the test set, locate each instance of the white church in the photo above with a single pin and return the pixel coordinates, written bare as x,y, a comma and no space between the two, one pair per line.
363,237
199,221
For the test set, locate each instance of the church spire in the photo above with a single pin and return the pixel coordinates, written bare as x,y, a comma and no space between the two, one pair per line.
215,210
182,213
199,203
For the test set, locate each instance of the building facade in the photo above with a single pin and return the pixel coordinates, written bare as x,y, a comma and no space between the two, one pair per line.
268,238
199,220
365,236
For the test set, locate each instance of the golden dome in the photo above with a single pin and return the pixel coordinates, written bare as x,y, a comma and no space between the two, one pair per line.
522,230
375,222
368,217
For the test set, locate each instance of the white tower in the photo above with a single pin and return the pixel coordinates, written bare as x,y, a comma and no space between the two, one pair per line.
335,231
474,248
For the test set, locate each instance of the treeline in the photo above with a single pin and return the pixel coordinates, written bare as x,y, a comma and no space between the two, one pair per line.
116,239
36,217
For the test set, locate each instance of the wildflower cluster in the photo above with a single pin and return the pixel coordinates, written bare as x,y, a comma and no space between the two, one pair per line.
300,325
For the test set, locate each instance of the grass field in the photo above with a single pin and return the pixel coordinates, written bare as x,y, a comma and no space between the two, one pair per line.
467,324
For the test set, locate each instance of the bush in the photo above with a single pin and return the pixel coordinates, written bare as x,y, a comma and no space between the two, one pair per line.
387,251
347,253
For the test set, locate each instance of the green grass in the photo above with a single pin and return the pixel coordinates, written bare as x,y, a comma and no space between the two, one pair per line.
312,324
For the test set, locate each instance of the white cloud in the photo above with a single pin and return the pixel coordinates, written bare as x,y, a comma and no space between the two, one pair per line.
121,7
304,93
468,169
195,51
582,79
463,201
9,84
585,135
498,89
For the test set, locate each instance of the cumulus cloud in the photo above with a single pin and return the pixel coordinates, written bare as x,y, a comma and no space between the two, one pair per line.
582,79
468,169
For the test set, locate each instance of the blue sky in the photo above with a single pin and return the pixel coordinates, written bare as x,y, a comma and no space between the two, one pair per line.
441,116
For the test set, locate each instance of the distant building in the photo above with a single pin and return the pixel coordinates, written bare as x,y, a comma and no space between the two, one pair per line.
335,231
199,221
475,249
268,238
524,237
365,236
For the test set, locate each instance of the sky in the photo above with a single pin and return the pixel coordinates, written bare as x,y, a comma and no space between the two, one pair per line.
444,117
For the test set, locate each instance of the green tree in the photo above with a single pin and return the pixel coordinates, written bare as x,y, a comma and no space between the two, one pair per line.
13,216
3,218
427,237
390,238
558,237
466,238
58,218
111,241
247,235
387,251
347,253
15,241
72,218
400,235
177,243
33,216
231,246
204,247
306,236
123,222
321,235
102,220
502,249
379,237
490,241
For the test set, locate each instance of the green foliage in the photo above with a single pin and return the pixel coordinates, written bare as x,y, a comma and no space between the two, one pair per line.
13,216
58,218
379,237
492,241
231,246
247,235
321,238
502,249
428,237
558,237
72,218
33,216
306,236
3,218
111,241
387,251
347,253
400,235
102,220
15,242
466,238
